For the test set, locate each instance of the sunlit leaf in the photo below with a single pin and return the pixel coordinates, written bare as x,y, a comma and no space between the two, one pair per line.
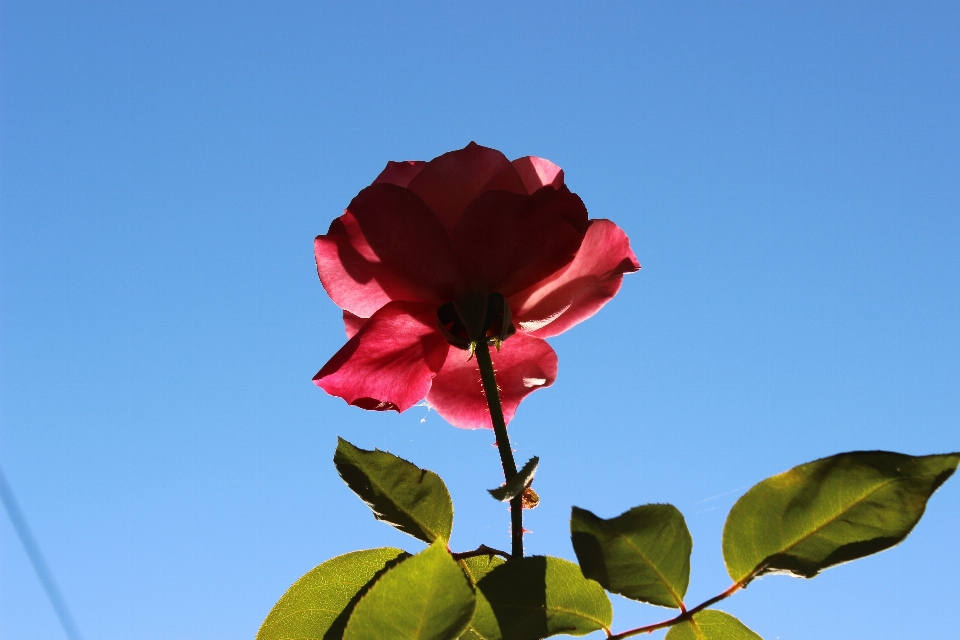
319,604
711,625
536,597
400,493
830,511
425,597
643,554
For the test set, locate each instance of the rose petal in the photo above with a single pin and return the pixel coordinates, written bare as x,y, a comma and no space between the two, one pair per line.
507,242
387,246
537,173
523,365
452,181
352,324
390,362
574,294
400,173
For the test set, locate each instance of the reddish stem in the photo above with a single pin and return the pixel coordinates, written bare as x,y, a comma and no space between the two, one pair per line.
482,550
685,615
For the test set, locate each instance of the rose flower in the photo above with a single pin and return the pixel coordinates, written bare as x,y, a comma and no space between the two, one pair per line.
467,249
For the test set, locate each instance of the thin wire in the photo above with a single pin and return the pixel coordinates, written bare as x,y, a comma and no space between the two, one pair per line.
36,559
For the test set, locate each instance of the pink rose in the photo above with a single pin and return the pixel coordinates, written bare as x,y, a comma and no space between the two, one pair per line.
467,247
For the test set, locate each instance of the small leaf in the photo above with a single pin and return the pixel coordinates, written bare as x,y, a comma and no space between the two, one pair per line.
318,604
426,597
830,511
643,554
536,597
483,618
402,494
515,485
711,625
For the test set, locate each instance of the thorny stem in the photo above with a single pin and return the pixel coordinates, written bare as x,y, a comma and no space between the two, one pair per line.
686,615
489,378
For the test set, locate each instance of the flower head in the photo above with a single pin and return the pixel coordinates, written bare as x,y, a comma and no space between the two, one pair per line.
466,249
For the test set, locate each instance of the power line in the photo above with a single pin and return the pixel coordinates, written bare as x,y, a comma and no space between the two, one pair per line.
36,559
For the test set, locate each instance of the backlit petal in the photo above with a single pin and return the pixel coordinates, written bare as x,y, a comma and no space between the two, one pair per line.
390,362
400,173
537,173
387,246
507,242
452,181
352,323
523,365
580,290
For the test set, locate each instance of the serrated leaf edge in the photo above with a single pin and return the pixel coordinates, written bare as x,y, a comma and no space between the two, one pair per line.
677,598
380,516
354,600
515,485
555,609
370,589
759,569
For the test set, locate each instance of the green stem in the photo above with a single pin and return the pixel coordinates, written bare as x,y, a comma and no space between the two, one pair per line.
489,378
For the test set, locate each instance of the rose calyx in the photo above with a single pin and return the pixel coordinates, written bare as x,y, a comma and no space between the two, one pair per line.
474,318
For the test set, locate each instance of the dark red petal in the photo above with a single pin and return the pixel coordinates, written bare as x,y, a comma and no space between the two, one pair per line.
537,173
452,181
400,173
577,292
523,365
387,246
352,323
507,242
390,362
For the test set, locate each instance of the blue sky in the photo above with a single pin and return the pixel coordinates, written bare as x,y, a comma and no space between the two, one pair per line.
789,175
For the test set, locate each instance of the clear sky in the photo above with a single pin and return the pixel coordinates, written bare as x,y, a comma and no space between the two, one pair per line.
789,176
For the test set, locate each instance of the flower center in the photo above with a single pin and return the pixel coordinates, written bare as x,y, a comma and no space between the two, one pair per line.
476,317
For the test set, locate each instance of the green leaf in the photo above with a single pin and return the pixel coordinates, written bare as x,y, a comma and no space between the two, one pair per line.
711,625
830,511
425,597
483,618
319,604
536,597
402,494
515,485
478,567
643,554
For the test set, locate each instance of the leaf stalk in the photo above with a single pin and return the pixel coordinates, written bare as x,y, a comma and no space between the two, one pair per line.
684,615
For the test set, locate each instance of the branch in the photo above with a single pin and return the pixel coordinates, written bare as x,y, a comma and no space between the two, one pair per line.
686,615
482,550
